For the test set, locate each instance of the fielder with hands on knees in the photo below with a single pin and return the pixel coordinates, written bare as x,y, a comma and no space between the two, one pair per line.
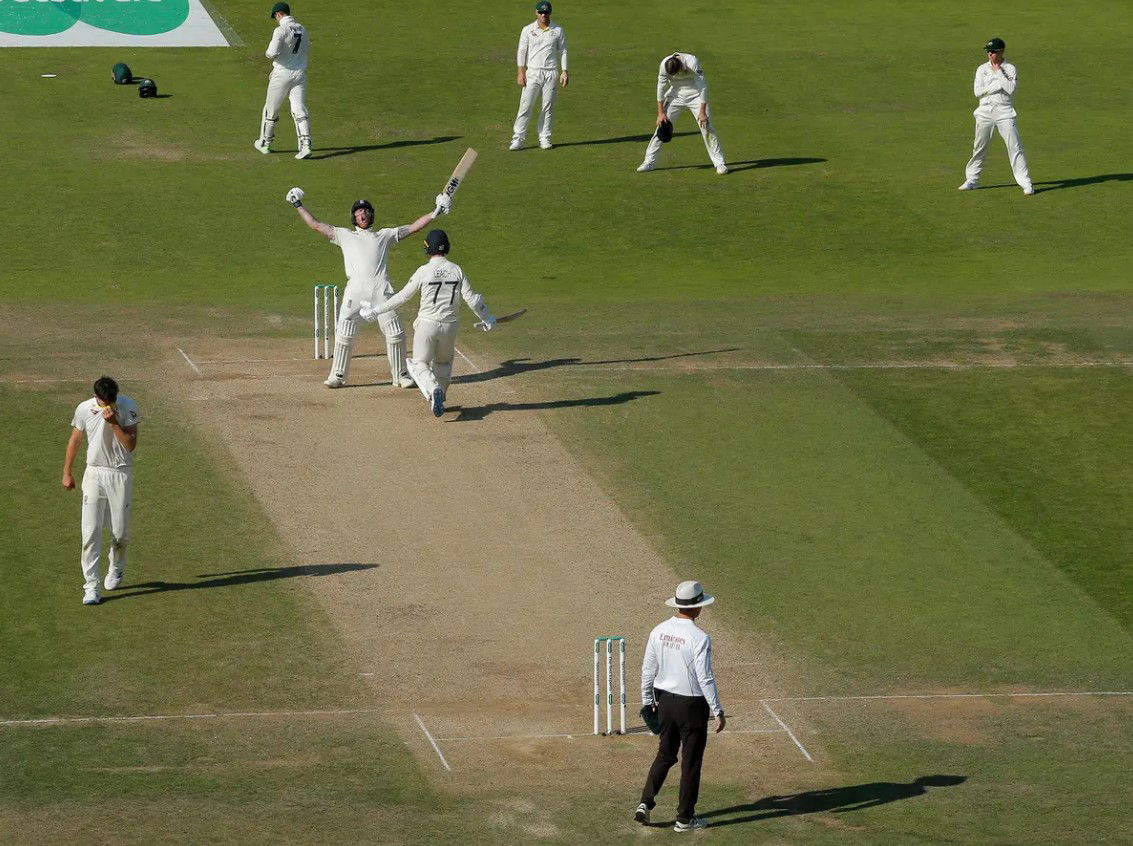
995,85
677,680
109,420
365,253
681,85
434,330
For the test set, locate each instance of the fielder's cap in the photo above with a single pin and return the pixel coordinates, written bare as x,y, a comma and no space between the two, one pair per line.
280,7
995,45
543,7
689,595
436,242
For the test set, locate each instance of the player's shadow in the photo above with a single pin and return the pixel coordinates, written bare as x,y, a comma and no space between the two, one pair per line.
477,413
837,800
1058,184
332,152
623,139
518,366
237,577
736,167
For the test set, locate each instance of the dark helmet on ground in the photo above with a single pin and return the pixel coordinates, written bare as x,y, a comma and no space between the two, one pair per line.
995,45
362,204
436,243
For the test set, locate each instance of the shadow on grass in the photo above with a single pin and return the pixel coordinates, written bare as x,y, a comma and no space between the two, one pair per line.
477,413
518,366
1058,184
238,577
837,800
332,152
623,139
736,167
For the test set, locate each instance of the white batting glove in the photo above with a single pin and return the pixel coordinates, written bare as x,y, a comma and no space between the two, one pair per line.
295,197
444,205
366,312
487,324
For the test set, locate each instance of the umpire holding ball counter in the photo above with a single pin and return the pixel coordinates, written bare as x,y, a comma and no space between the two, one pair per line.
677,683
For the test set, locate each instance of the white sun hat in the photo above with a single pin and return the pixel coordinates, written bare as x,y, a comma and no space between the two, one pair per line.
689,595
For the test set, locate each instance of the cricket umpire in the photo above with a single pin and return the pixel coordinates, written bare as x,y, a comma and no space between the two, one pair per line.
677,680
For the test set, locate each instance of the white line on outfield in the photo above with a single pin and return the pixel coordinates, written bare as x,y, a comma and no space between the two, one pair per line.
196,369
219,715
787,729
653,366
436,748
947,696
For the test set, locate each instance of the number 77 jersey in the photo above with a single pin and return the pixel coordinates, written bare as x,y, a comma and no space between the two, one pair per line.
440,281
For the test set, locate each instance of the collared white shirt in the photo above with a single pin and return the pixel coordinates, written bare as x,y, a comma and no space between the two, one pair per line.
438,281
687,84
289,45
678,658
538,48
103,449
365,253
996,89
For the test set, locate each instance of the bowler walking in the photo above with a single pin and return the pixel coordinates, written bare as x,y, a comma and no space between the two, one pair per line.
677,680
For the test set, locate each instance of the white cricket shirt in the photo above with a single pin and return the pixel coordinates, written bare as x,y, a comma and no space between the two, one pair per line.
438,281
686,84
996,89
678,658
538,48
103,449
289,45
365,253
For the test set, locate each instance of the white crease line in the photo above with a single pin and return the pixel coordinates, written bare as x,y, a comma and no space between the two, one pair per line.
505,737
947,696
220,715
654,366
196,369
470,362
787,729
436,748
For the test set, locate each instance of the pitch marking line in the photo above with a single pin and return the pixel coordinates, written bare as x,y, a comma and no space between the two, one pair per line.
196,369
436,748
787,729
220,715
947,696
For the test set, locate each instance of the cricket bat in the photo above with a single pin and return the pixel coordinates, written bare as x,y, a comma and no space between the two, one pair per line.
461,171
505,318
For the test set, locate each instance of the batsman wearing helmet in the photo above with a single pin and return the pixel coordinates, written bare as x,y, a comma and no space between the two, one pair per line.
365,253
434,330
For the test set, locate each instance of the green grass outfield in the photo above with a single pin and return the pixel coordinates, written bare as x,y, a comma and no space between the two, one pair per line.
895,530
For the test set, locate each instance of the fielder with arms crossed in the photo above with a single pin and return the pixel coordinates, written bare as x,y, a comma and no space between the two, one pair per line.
365,253
434,330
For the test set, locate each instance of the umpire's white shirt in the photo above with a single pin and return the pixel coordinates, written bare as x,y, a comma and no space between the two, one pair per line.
289,45
678,658
538,48
996,90
438,281
103,449
365,253
686,85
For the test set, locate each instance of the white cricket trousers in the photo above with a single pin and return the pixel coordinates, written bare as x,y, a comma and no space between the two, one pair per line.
539,82
708,133
106,494
1009,130
283,85
347,327
434,345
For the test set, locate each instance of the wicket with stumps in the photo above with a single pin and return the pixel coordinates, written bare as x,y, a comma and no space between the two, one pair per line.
326,307
605,643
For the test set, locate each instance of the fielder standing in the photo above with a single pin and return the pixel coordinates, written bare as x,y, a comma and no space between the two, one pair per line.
109,420
542,50
288,53
434,330
676,678
365,254
681,85
995,85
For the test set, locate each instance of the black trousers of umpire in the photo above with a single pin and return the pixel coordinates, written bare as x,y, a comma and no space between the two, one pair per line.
684,727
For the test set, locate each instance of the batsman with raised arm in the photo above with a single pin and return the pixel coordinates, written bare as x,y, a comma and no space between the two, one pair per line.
364,253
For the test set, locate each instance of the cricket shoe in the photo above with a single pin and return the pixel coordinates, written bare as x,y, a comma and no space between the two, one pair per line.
721,169
113,578
438,402
643,168
261,145
90,596
969,186
545,145
334,382
642,814
695,824
406,381
304,151
1028,191
515,145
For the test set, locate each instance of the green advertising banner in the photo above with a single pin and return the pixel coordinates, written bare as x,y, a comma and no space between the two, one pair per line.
108,23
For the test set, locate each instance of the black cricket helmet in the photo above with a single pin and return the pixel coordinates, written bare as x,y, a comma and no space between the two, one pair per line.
994,45
436,243
362,204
